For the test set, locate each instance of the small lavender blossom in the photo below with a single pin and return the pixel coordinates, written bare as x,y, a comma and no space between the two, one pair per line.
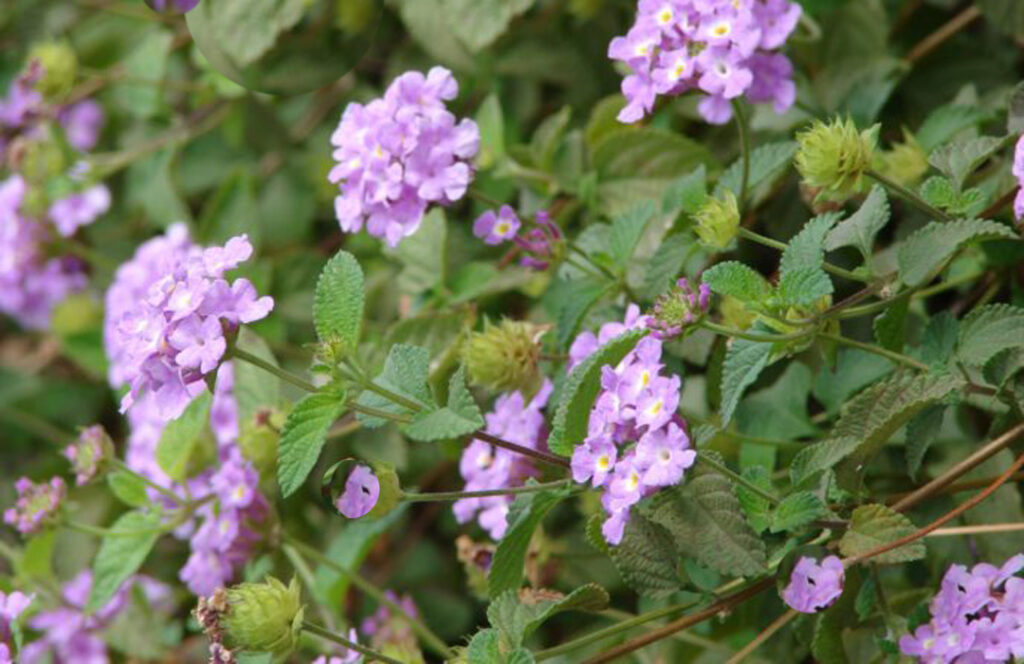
79,209
82,123
362,489
342,655
813,586
36,504
401,153
723,48
23,103
497,228
1018,172
89,453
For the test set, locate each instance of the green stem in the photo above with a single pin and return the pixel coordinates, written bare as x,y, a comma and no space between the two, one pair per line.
376,412
306,575
440,496
430,639
323,633
744,132
877,350
37,426
519,449
259,362
908,195
164,491
781,246
106,532
736,477
753,336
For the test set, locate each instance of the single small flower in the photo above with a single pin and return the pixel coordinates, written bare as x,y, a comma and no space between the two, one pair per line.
12,605
1018,172
594,460
679,308
36,505
262,617
718,221
664,454
505,357
89,454
362,489
813,586
497,228
832,158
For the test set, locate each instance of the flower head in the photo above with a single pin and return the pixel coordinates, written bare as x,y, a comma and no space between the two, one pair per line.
813,586
718,221
1018,172
401,153
36,504
362,490
833,157
90,453
497,228
263,617
680,307
505,357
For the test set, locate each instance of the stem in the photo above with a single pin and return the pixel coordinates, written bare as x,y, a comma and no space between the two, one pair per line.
736,477
753,336
781,246
287,377
984,529
302,569
877,350
458,495
768,632
519,449
484,198
908,195
430,639
937,38
106,532
382,414
744,132
164,491
351,645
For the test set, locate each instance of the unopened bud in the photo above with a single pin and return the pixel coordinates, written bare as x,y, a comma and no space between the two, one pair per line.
679,308
59,68
505,357
718,221
90,454
263,617
833,157
905,163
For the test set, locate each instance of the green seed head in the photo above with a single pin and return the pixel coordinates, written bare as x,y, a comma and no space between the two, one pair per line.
60,67
832,158
718,221
505,357
263,617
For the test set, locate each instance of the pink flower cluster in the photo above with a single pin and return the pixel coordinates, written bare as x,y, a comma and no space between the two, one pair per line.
399,154
486,467
977,616
169,339
36,504
1018,172
813,586
12,605
636,405
723,48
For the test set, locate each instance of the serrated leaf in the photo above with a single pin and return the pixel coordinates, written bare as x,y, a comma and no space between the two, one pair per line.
874,525
406,372
338,302
576,298
737,280
181,435
460,417
806,249
988,330
958,160
797,510
524,515
939,339
668,261
926,250
572,415
820,456
860,228
121,555
744,362
483,647
646,557
626,231
804,286
254,389
705,521
890,326
921,433
947,121
303,436
756,507
128,488
686,194
516,615
767,162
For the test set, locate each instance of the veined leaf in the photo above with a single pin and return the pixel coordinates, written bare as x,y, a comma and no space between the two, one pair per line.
744,362
767,162
460,417
806,249
181,435
927,249
626,231
958,160
406,372
525,514
874,525
517,615
989,330
736,279
303,436
338,302
796,510
646,556
860,229
121,554
804,286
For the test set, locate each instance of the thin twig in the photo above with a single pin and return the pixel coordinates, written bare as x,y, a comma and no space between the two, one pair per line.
766,634
937,38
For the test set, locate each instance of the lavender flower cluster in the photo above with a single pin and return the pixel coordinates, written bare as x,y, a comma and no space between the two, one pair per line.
36,504
538,246
1018,172
169,339
723,48
484,466
399,154
12,605
813,585
977,616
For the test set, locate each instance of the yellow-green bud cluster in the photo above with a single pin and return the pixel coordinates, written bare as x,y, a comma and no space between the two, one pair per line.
832,158
505,357
718,221
60,67
905,163
263,617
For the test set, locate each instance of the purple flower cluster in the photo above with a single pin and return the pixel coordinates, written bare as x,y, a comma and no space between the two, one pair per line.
1018,172
813,586
723,48
977,616
586,342
89,453
486,467
70,634
12,605
636,405
400,153
539,246
165,335
362,489
36,504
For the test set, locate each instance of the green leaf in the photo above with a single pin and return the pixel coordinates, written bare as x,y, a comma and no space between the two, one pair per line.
854,370
423,255
254,390
128,488
921,433
891,325
181,435
120,556
736,279
988,330
757,509
797,510
820,456
569,425
479,23
939,339
460,417
780,410
1007,16
141,93
626,231
548,138
245,30
807,248
406,373
576,298
646,556
938,191
744,362
338,302
687,193
516,615
804,286
705,521
958,160
947,121
427,22
927,249
524,515
874,525
303,436
668,261
491,121
767,162
648,152
483,647
860,229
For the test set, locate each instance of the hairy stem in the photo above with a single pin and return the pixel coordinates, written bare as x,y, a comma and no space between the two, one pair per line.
908,195
899,358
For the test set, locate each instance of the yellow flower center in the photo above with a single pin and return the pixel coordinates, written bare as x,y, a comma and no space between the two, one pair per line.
603,462
722,29
502,228
665,16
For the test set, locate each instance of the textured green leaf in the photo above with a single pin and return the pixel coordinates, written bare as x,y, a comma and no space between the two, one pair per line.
926,250
121,555
483,647
648,153
478,23
576,298
524,515
516,615
947,121
807,248
406,372
491,121
939,339
668,261
736,279
569,425
939,191
247,29
626,231
890,326
254,389
460,417
780,410
820,456
757,509
921,433
797,510
874,525
958,160
989,330
338,302
744,362
181,435
705,521
767,162
423,255
860,228
427,23
687,193
128,488
646,557
303,436
804,286
854,370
